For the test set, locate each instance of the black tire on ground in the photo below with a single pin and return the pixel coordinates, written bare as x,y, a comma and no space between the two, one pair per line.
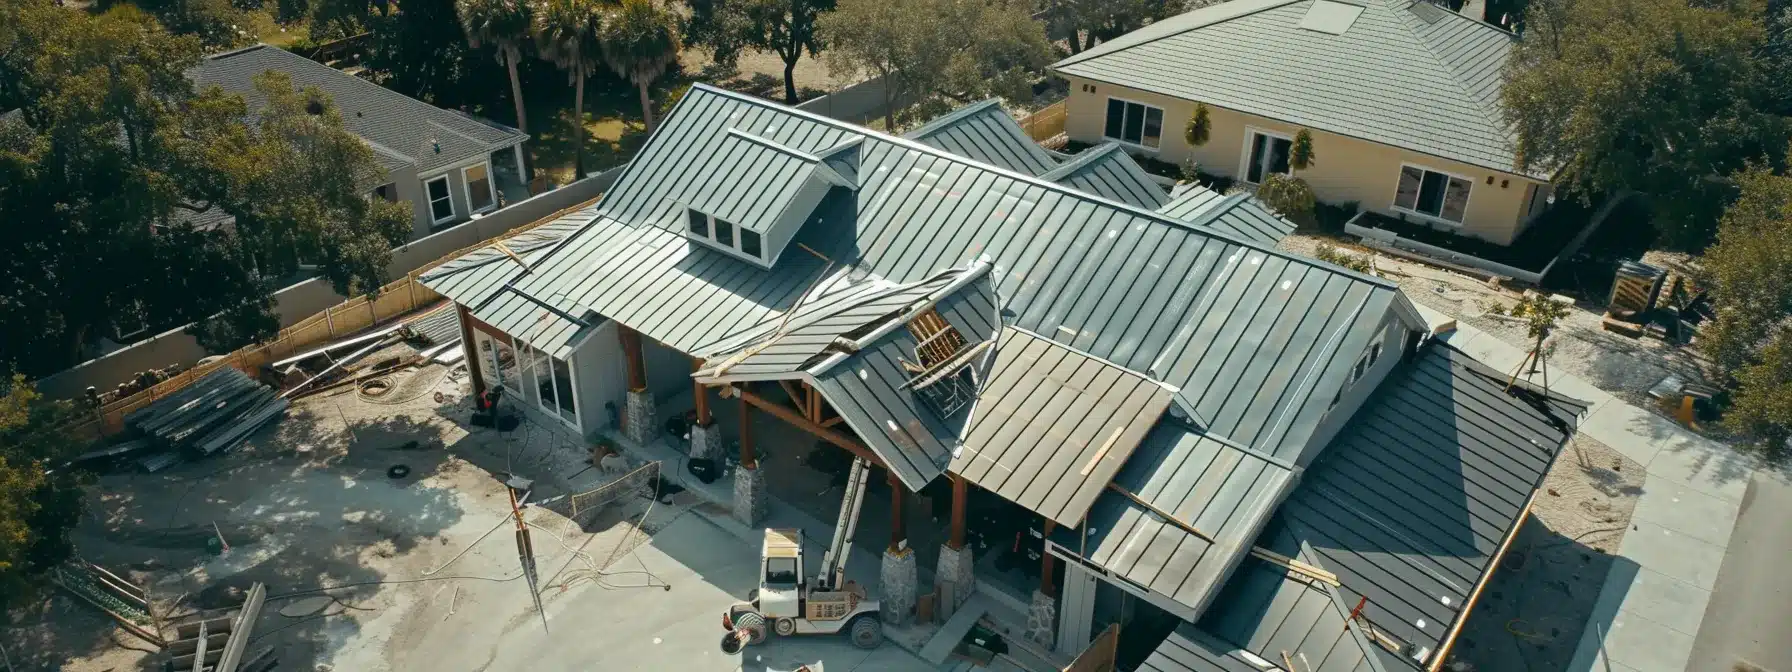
867,631
753,623
785,627
731,643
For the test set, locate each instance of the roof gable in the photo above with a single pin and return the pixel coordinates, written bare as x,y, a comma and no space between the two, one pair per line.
984,132
1240,215
1108,171
1399,75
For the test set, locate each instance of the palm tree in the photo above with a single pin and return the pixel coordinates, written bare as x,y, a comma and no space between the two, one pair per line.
566,32
504,24
640,41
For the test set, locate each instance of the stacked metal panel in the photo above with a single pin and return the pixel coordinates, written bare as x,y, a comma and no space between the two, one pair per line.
214,414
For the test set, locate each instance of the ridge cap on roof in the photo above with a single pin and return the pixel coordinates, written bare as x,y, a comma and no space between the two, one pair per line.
1175,25
1077,162
950,118
912,145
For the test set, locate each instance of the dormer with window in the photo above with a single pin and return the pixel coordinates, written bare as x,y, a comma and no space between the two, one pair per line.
759,196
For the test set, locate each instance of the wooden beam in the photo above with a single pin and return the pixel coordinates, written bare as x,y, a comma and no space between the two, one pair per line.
1474,596
795,397
472,353
1295,566
830,422
959,493
1166,515
1047,564
700,395
631,356
784,413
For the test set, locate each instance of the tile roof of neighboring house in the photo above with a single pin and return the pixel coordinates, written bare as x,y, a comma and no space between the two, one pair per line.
984,132
1249,336
1239,215
404,131
1406,73
1109,172
1408,507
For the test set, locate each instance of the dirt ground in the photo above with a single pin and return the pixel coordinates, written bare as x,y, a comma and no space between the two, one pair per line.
1531,614
359,561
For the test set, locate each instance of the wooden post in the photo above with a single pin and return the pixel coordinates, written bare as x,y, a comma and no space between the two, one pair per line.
748,460
631,355
897,534
959,493
472,353
1046,566
701,397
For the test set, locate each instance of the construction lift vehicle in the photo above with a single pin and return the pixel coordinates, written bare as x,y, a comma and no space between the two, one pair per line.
787,603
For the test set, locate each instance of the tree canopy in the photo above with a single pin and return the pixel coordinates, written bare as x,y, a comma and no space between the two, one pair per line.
783,27
640,42
566,33
1749,271
37,509
1664,97
938,53
118,180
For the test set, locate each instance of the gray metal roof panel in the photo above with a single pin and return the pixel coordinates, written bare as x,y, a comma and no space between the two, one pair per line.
1239,215
1053,425
1206,483
403,126
1411,501
1392,78
1108,171
984,132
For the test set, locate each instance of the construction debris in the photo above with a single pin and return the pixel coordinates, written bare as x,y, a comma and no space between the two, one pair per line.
214,414
216,640
126,602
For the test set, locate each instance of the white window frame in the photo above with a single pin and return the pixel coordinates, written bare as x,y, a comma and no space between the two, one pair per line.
732,248
1393,201
1244,160
533,373
1163,121
430,202
491,186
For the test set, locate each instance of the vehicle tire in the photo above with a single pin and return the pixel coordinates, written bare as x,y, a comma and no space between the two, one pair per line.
753,623
867,631
785,627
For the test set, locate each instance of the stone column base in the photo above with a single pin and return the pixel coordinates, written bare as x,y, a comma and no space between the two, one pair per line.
706,442
639,421
1042,620
953,577
749,496
897,587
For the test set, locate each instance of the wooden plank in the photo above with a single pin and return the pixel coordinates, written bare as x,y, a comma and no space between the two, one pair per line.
240,629
199,647
1295,566
1103,451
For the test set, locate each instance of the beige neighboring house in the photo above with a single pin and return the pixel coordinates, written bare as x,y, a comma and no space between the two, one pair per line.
1401,98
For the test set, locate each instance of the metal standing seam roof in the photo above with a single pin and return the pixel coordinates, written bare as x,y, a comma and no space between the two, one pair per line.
1405,73
1052,425
760,180
1108,171
1240,215
1410,504
405,128
984,132
478,280
1226,493
1248,335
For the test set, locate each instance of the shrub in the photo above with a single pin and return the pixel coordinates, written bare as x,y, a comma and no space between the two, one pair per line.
1331,218
1200,127
1301,156
1332,255
1289,196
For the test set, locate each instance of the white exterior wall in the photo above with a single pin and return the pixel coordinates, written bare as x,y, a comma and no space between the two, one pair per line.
602,377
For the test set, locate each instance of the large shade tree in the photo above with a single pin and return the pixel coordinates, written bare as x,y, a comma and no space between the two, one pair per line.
505,26
1749,271
783,27
566,33
39,502
1664,97
640,41
938,53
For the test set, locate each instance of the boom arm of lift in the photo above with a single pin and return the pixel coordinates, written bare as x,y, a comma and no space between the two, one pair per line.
833,565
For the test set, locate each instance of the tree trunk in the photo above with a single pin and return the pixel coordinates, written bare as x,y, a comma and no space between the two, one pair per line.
1091,43
790,80
522,119
1076,43
646,105
578,126
889,84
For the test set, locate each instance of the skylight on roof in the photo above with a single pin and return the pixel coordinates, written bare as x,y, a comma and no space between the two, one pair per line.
1334,18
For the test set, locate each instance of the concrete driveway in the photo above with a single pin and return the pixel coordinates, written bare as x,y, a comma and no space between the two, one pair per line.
1752,604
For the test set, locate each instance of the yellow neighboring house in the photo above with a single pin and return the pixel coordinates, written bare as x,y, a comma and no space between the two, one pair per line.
1400,97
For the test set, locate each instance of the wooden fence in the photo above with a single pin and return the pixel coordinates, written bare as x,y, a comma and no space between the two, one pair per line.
396,299
1047,123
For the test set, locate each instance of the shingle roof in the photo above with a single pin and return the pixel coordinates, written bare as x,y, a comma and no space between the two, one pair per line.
984,132
1239,215
1248,335
1109,172
404,130
1406,73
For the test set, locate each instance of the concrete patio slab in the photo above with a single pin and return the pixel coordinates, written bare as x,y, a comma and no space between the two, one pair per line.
1672,554
1690,512
1646,646
1667,601
1703,465
1617,425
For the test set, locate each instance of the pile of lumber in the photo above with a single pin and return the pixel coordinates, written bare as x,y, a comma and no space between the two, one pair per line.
215,414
